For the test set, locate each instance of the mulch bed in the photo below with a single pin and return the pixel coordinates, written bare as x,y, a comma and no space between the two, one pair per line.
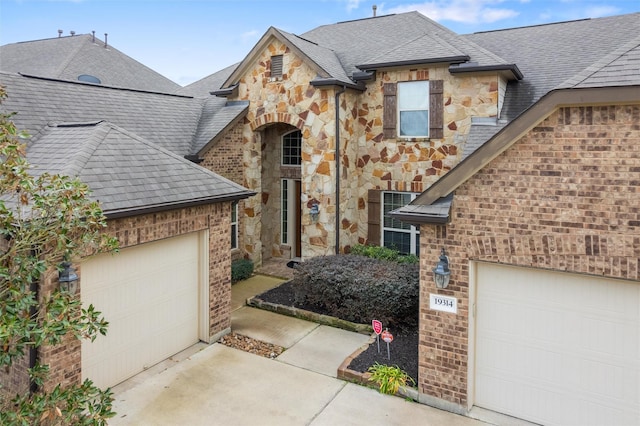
403,349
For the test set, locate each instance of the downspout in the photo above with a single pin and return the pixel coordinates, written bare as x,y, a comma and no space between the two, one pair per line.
338,93
33,351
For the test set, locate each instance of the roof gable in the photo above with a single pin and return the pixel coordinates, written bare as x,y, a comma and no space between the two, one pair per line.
218,116
320,59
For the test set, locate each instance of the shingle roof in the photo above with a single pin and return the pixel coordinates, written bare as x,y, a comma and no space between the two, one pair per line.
217,115
339,50
478,135
395,38
620,68
66,58
203,87
125,172
325,58
169,121
550,54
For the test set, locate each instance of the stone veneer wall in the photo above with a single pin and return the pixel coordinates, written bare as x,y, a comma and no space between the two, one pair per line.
412,165
565,197
65,359
368,161
290,100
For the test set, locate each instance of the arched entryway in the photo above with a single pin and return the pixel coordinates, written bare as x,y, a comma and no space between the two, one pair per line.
281,192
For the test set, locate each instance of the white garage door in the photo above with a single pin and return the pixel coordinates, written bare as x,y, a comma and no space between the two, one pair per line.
557,348
149,295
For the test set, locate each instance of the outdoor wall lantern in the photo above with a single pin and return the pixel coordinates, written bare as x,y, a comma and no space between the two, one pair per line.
441,273
68,278
315,211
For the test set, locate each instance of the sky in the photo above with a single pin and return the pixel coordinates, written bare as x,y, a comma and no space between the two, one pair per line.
186,40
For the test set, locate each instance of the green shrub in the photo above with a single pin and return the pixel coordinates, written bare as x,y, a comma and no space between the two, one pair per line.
359,289
241,269
383,253
389,378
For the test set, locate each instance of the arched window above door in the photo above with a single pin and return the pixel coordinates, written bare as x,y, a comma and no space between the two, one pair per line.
292,148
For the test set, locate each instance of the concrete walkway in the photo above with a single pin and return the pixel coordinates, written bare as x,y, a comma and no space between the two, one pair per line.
218,385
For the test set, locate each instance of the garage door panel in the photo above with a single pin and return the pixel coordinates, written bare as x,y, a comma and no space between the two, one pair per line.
548,344
149,295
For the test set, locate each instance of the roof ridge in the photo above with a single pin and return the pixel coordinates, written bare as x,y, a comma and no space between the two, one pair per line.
531,26
64,64
551,23
85,151
363,19
600,64
103,86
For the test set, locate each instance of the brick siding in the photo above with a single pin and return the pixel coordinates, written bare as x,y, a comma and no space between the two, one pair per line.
65,359
564,197
225,158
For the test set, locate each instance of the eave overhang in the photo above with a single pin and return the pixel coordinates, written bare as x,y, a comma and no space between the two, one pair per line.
364,76
465,67
161,207
437,213
324,82
226,92
424,61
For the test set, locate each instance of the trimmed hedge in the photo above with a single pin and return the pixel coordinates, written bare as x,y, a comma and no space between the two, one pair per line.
241,269
384,253
359,289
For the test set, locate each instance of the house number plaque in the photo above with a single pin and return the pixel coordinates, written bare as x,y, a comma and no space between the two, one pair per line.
443,303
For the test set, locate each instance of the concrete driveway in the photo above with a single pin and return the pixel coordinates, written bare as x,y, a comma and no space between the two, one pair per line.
223,386
218,385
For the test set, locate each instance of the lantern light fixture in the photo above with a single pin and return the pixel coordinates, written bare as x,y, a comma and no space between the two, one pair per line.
68,278
441,272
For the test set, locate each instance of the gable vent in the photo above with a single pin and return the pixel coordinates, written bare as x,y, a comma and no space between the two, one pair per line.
276,66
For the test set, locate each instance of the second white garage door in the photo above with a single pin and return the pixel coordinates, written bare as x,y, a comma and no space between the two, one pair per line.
149,295
557,348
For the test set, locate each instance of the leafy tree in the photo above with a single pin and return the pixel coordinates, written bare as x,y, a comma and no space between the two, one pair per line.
44,220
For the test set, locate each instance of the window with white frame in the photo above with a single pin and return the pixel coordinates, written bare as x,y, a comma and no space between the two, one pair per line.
234,225
398,235
292,148
413,109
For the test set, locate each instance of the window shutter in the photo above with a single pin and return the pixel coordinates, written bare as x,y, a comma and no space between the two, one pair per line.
373,237
390,112
436,109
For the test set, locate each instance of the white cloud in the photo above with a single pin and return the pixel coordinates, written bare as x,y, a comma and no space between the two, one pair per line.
600,11
352,5
464,11
249,35
574,10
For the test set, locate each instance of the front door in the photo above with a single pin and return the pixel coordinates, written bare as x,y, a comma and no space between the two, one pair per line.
291,215
298,220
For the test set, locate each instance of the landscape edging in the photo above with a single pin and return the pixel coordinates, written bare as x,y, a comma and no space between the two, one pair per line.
344,373
310,316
